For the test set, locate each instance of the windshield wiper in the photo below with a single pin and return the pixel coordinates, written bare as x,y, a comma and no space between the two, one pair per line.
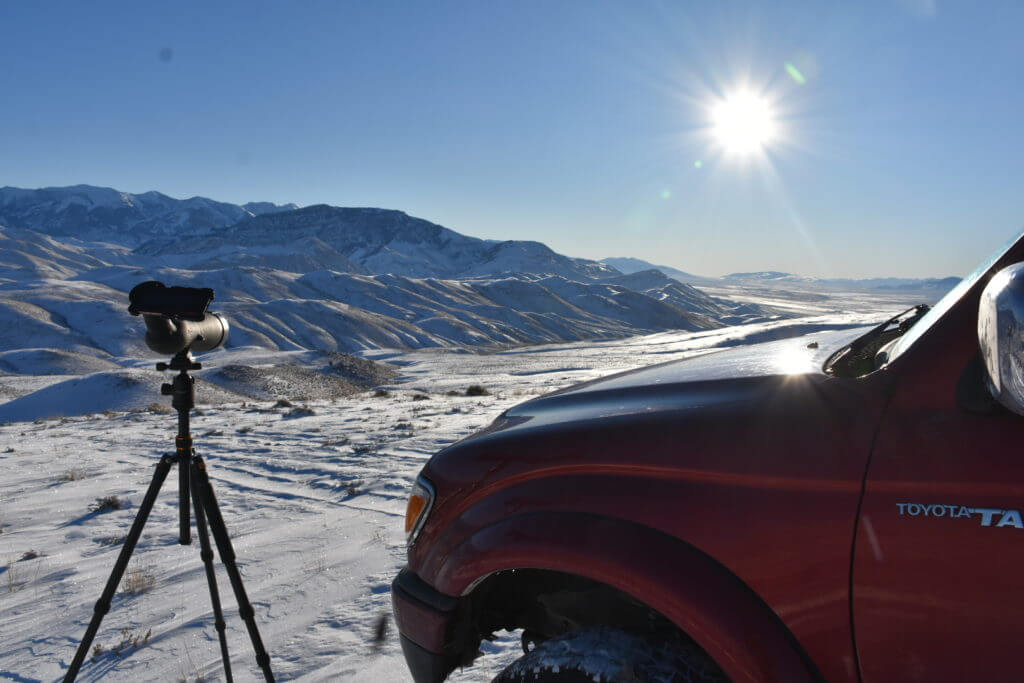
862,350
862,341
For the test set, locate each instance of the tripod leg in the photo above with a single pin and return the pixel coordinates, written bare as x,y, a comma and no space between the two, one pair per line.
184,524
227,556
206,553
103,604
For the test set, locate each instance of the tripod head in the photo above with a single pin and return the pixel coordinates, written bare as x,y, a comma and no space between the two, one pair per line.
182,390
182,387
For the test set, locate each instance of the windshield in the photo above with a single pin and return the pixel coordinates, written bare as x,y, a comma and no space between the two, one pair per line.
944,304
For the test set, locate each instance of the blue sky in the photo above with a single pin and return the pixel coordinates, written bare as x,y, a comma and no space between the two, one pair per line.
574,123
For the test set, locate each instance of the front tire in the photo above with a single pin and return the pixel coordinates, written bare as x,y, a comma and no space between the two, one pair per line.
611,656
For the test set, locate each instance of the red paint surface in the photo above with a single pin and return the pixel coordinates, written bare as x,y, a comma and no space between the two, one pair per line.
935,598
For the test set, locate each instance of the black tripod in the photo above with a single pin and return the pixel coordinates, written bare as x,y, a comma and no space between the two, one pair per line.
192,477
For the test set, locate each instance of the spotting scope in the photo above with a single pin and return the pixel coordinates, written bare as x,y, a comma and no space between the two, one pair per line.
176,317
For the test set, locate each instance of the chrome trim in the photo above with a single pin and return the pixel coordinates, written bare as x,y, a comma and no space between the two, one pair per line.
432,494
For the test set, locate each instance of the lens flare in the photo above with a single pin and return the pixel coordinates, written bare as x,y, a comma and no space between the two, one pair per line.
743,123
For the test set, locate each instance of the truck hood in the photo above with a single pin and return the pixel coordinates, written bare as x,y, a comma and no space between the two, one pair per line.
796,356
742,373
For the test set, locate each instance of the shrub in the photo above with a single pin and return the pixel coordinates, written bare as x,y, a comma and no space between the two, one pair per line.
110,540
301,411
73,474
159,408
477,390
283,403
420,397
106,504
381,393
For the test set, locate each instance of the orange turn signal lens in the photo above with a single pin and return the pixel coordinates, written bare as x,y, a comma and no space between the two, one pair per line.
417,504
421,498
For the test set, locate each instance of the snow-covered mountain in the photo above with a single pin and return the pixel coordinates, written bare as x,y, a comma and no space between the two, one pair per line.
106,215
260,208
772,277
629,265
327,310
767,276
202,233
365,240
775,278
319,278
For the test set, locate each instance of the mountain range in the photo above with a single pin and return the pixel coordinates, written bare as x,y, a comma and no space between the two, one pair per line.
774,278
104,214
320,278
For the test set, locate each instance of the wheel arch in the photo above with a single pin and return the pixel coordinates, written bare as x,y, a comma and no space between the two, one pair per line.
694,592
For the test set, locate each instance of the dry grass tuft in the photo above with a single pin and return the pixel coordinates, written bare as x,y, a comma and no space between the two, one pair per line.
130,640
73,474
140,578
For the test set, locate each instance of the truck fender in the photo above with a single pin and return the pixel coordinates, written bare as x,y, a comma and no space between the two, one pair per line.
689,588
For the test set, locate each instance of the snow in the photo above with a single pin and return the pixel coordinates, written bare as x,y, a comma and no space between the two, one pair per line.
314,505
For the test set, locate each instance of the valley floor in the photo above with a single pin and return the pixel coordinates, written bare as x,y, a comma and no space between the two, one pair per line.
314,502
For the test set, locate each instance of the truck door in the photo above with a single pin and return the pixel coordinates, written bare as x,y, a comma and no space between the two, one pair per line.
938,571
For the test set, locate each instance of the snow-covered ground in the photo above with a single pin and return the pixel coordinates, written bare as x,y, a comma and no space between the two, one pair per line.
314,503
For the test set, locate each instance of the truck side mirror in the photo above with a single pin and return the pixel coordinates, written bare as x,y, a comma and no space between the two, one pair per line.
1001,336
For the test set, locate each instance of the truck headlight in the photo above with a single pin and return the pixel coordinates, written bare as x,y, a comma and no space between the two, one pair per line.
421,499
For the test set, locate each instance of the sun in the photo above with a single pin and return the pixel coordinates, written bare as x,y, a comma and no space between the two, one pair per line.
743,123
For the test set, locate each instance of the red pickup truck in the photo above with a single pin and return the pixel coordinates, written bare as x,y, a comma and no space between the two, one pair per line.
823,508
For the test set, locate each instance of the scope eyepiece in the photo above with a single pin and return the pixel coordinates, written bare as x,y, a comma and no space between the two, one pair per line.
180,303
176,318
